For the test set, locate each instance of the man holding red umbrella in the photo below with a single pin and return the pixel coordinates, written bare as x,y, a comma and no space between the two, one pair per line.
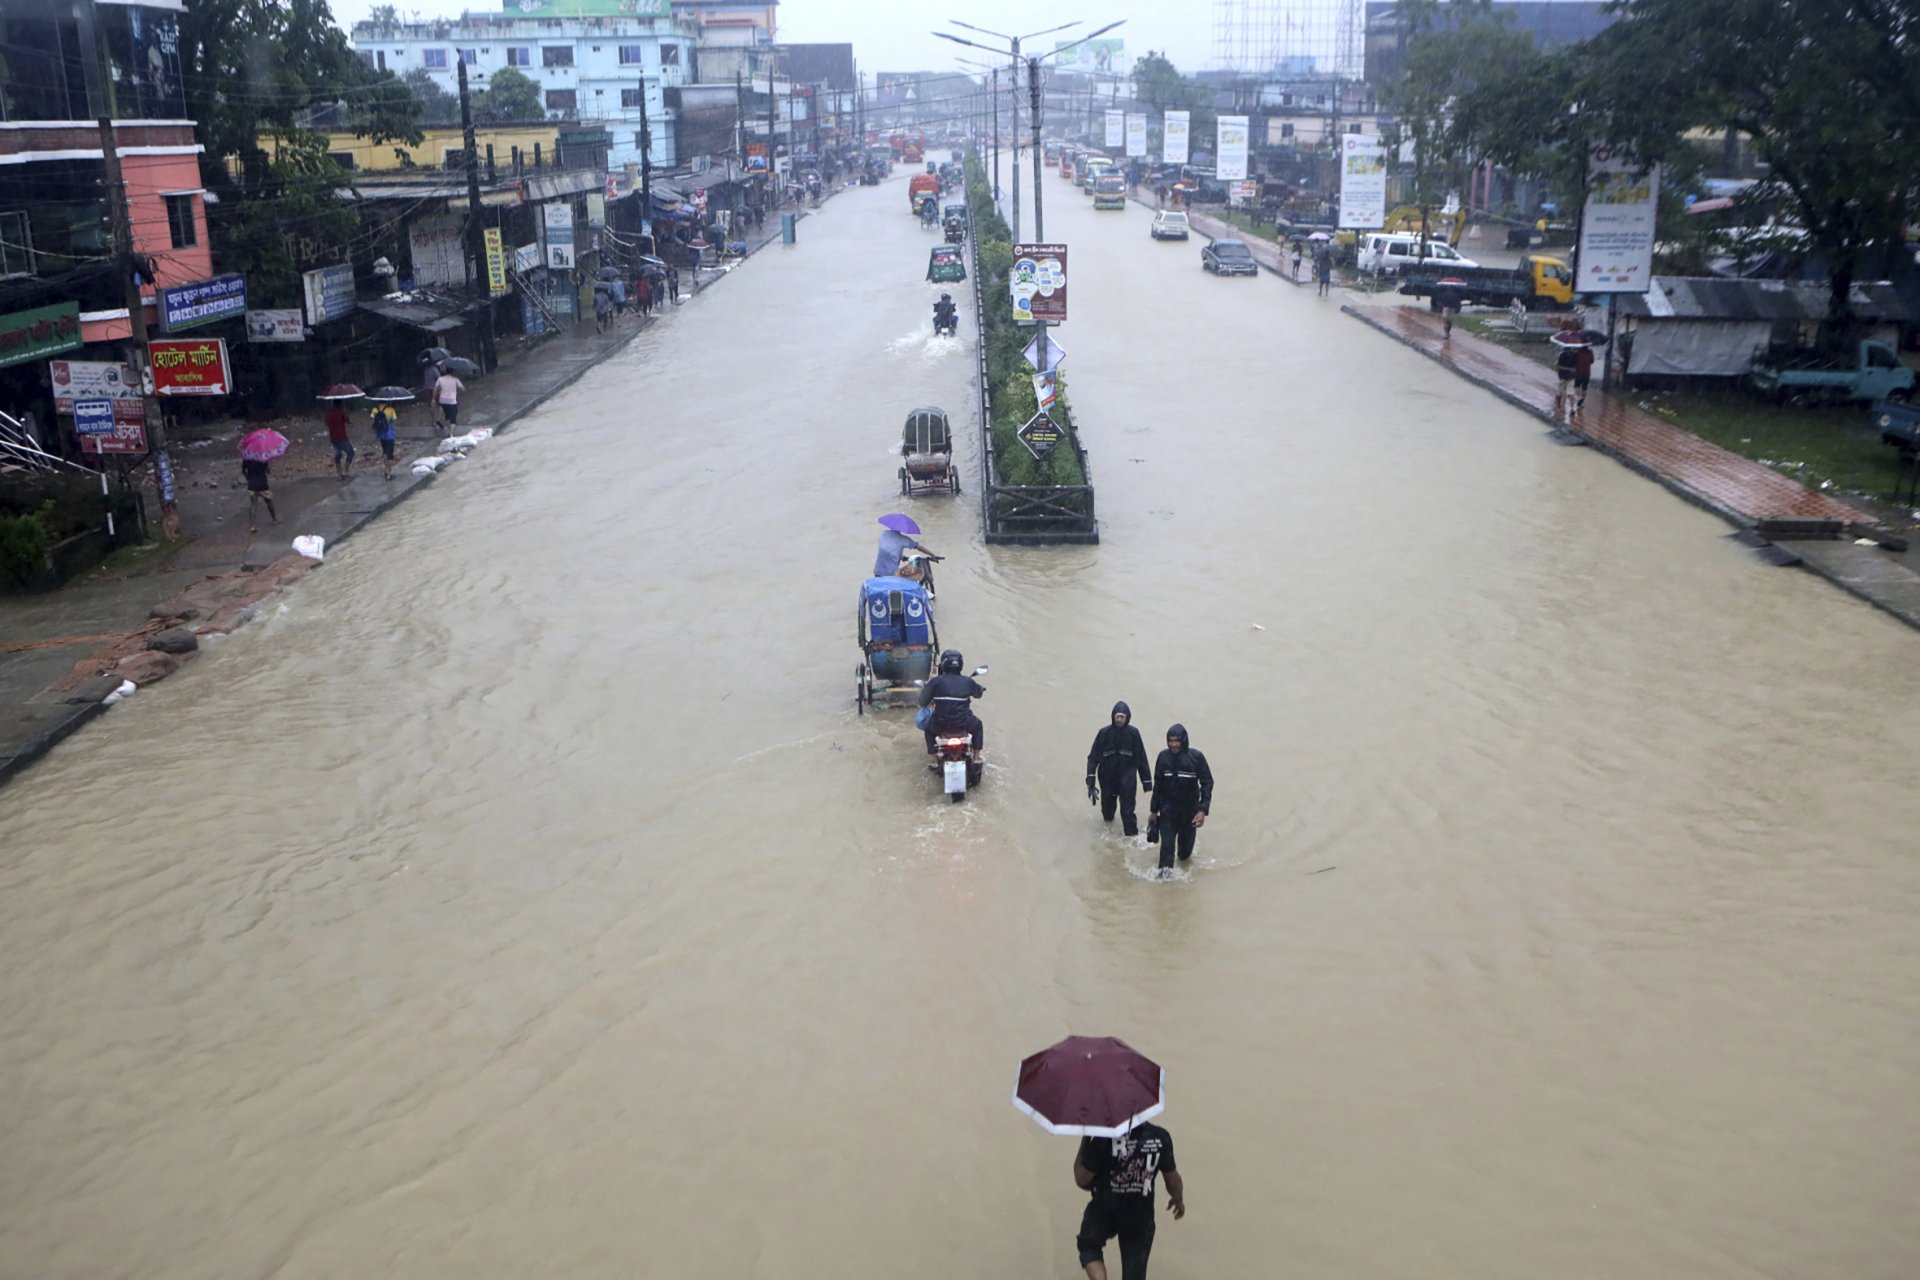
1120,1173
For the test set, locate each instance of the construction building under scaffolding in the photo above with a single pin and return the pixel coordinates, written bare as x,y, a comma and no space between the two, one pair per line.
1291,37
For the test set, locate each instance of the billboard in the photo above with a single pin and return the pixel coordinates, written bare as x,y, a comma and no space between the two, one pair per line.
1173,137
90,380
1039,283
496,248
1363,182
190,367
1616,226
558,220
188,306
756,157
1116,129
1136,134
280,324
1230,156
1102,57
127,432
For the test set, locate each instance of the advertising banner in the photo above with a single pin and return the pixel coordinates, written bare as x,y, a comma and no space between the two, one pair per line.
558,219
1363,182
188,306
329,293
596,209
1616,228
1106,56
278,325
526,257
1116,129
756,157
1046,390
129,431
1039,282
1040,434
1245,191
43,331
190,367
496,248
1136,135
1173,137
1230,156
90,380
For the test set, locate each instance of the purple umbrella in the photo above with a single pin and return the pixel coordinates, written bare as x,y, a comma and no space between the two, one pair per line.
1096,1086
899,523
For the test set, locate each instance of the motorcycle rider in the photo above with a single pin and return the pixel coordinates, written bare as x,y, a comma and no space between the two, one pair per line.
1183,795
1117,757
951,695
945,314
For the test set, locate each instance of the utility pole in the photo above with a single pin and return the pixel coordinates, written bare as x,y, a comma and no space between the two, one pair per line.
1033,90
646,169
995,193
137,319
739,157
773,136
476,243
1013,123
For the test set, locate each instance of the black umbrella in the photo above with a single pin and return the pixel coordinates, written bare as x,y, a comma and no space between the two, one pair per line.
390,395
608,273
460,367
435,355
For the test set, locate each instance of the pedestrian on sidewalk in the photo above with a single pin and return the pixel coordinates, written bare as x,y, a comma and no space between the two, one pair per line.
1116,758
1564,365
1182,795
1119,1173
646,296
1323,266
673,285
342,446
259,489
383,418
602,310
446,394
1582,376
1299,251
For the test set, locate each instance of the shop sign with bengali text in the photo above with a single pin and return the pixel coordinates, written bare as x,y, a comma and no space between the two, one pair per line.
329,293
1040,434
1230,150
128,433
1039,283
43,331
90,380
190,367
188,306
496,261
526,257
277,324
1173,137
1616,227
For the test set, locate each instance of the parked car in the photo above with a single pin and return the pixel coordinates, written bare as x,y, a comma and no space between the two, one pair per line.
1229,258
1866,370
1169,224
1387,253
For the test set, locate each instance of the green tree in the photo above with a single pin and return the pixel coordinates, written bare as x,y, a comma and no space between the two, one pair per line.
437,106
1161,86
509,96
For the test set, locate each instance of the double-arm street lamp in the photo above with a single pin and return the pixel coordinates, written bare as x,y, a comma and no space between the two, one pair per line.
1033,88
1012,52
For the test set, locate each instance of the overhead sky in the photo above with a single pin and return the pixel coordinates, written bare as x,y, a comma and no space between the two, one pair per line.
889,36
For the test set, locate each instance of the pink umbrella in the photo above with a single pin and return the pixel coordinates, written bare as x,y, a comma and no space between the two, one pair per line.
263,445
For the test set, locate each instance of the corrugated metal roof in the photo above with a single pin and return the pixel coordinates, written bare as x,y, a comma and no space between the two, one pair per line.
1712,298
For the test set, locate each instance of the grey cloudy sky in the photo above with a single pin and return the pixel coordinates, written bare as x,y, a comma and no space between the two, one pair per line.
890,36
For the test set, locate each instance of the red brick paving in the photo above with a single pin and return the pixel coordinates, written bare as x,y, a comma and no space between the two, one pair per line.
1613,423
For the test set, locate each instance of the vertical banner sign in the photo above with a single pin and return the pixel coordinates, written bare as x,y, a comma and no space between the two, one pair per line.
496,261
1363,182
1136,135
1039,283
1116,128
1046,391
1173,138
558,217
1616,227
1230,156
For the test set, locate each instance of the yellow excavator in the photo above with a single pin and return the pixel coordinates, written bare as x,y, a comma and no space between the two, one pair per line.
1405,220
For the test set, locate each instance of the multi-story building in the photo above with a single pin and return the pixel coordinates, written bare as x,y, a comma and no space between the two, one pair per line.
592,60
61,285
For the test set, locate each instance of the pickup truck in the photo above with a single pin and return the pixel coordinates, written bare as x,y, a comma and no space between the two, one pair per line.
1536,282
1867,370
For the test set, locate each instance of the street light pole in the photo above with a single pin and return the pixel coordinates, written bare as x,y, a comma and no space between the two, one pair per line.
1033,89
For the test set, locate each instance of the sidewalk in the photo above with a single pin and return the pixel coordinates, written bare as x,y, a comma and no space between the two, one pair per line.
1755,498
50,644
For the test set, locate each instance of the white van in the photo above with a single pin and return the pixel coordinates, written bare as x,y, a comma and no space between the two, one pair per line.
1385,253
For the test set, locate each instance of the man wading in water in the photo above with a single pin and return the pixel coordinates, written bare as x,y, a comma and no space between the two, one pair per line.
1120,1172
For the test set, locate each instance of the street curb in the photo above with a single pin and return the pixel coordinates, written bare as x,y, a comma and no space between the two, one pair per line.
1738,520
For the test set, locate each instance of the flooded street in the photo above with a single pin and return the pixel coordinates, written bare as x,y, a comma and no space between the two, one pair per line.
525,898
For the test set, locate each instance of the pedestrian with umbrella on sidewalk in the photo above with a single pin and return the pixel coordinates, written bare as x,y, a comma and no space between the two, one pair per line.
385,417
257,450
1105,1091
335,397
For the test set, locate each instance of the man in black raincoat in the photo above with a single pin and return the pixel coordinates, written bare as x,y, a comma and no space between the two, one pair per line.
1117,757
1183,792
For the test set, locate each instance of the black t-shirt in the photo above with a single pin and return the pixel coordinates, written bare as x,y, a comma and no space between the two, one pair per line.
256,474
950,696
1566,360
1125,1168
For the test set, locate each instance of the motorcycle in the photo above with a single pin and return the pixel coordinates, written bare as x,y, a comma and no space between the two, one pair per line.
947,324
959,764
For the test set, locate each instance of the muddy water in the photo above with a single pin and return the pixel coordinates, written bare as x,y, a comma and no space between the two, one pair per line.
524,898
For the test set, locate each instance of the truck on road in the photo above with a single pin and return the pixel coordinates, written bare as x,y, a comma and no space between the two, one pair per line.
1862,370
1536,283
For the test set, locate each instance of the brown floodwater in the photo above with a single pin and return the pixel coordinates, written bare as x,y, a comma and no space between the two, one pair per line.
523,897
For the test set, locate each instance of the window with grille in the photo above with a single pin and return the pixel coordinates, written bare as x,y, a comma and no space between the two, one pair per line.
434,59
180,222
519,57
556,55
629,97
632,55
16,245
669,55
562,100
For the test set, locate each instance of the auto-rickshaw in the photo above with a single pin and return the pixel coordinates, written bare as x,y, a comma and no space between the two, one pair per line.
945,265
